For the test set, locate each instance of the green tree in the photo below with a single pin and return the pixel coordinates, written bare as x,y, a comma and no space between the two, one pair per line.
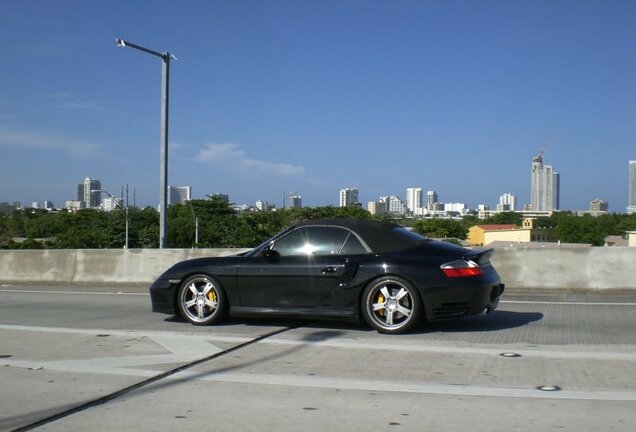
505,218
441,228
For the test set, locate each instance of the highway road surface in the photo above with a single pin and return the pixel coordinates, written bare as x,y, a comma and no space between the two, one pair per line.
96,359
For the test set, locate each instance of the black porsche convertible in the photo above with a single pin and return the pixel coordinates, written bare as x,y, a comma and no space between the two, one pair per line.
339,269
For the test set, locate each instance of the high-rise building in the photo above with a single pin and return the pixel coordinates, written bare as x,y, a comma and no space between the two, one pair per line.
263,205
413,198
631,204
349,197
294,201
544,186
111,203
459,208
599,205
179,194
507,202
431,200
84,192
73,204
376,207
396,205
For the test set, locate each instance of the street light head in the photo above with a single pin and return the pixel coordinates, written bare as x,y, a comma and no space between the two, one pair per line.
120,43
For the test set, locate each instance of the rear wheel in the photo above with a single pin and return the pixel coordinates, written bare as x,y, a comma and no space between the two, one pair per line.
391,305
201,300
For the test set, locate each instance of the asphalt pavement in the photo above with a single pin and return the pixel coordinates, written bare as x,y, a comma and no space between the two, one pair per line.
95,358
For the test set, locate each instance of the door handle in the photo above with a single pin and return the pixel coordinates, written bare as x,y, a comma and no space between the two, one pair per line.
329,270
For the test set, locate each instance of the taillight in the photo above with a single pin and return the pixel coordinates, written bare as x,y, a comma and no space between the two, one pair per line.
461,268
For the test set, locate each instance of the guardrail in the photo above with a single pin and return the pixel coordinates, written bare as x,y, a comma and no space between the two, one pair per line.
558,268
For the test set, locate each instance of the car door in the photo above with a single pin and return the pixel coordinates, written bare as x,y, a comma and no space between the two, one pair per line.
299,270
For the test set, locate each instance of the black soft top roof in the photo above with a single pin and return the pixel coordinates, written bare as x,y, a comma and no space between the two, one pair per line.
381,237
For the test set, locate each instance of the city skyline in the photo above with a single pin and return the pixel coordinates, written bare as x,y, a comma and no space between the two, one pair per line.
454,97
545,192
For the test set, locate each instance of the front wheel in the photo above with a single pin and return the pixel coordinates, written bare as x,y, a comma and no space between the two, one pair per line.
201,300
391,305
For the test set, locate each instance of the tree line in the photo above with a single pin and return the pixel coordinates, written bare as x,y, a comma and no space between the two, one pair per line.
221,226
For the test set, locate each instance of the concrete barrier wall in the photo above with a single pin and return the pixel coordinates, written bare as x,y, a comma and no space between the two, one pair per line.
574,269
95,266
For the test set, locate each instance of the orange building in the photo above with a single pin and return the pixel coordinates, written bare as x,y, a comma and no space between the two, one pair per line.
481,235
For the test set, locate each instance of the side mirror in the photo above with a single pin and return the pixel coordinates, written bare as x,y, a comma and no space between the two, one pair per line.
270,253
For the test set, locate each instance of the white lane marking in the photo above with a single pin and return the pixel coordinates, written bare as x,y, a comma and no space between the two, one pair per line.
339,383
568,303
446,349
189,346
192,347
79,366
137,333
410,387
181,341
74,292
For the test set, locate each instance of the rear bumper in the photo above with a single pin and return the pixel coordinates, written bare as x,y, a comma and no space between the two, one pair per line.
447,303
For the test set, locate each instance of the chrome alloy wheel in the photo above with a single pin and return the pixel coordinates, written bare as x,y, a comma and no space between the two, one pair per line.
391,305
201,300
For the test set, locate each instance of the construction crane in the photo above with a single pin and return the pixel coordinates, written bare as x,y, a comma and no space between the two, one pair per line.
548,144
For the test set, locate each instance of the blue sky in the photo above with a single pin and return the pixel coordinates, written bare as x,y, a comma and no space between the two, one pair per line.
314,96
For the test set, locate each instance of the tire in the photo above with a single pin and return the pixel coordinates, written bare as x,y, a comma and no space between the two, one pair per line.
201,300
391,305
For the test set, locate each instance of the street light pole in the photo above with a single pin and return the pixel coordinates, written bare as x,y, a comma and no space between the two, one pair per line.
196,226
122,199
165,83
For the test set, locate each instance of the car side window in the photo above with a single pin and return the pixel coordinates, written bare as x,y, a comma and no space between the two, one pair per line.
291,244
317,240
353,246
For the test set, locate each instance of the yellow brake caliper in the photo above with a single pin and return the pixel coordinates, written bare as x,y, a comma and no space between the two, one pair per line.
212,296
381,300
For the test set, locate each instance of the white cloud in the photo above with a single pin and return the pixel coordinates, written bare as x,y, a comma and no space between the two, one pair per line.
232,154
213,152
69,100
47,141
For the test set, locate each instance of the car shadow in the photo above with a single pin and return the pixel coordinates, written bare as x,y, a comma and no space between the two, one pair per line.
494,321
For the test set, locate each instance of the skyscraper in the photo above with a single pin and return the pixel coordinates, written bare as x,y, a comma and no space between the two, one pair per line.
179,194
631,204
431,200
507,202
599,205
84,194
413,198
348,197
295,201
544,186
396,205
